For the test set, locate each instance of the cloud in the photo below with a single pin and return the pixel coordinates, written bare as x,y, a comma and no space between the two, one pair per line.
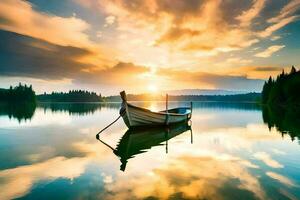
287,10
196,26
23,56
267,69
247,16
188,36
21,17
276,37
126,74
109,20
99,34
266,158
269,51
29,57
274,27
239,61
185,25
257,72
211,80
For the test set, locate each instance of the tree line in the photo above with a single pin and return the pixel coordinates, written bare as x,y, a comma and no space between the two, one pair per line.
18,94
71,96
281,99
284,90
248,97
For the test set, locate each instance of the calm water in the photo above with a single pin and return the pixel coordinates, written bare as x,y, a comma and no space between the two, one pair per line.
50,152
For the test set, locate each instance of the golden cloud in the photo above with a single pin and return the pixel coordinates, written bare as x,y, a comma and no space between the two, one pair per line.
195,25
257,72
269,51
287,10
247,16
21,17
120,74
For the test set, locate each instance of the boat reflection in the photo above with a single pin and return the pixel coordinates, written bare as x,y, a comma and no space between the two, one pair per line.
139,140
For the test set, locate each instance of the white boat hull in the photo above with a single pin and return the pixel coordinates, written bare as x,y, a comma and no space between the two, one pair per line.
135,116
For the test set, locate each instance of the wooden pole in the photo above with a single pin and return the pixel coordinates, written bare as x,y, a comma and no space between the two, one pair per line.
167,102
167,139
191,136
167,116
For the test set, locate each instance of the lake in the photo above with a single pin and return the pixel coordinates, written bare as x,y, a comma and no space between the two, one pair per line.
230,151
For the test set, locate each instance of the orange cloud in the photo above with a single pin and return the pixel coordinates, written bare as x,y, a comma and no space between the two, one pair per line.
287,10
269,51
274,27
256,72
193,25
247,16
21,17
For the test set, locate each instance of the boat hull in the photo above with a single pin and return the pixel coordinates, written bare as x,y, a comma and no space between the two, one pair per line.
136,116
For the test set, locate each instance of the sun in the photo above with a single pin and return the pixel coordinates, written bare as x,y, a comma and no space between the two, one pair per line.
152,88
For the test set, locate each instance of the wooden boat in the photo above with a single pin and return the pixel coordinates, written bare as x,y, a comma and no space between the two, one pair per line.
139,140
134,116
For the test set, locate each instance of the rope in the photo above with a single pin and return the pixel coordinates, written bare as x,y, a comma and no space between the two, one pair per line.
122,112
97,136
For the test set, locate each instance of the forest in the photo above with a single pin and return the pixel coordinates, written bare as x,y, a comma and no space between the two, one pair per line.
248,97
18,94
284,90
281,100
71,96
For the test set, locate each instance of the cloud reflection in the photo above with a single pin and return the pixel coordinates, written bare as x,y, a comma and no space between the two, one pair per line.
218,165
281,178
266,158
18,181
188,177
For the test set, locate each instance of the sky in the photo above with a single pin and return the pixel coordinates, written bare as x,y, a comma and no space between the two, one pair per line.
147,46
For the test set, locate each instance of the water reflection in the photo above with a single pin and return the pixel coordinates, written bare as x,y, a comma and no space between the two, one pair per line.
26,111
21,112
140,140
234,156
76,108
284,119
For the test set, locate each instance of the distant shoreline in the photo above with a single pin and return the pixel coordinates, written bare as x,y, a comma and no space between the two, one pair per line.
104,102
20,94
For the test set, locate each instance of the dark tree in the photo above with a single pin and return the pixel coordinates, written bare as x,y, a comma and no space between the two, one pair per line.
18,94
282,103
284,90
293,70
71,96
